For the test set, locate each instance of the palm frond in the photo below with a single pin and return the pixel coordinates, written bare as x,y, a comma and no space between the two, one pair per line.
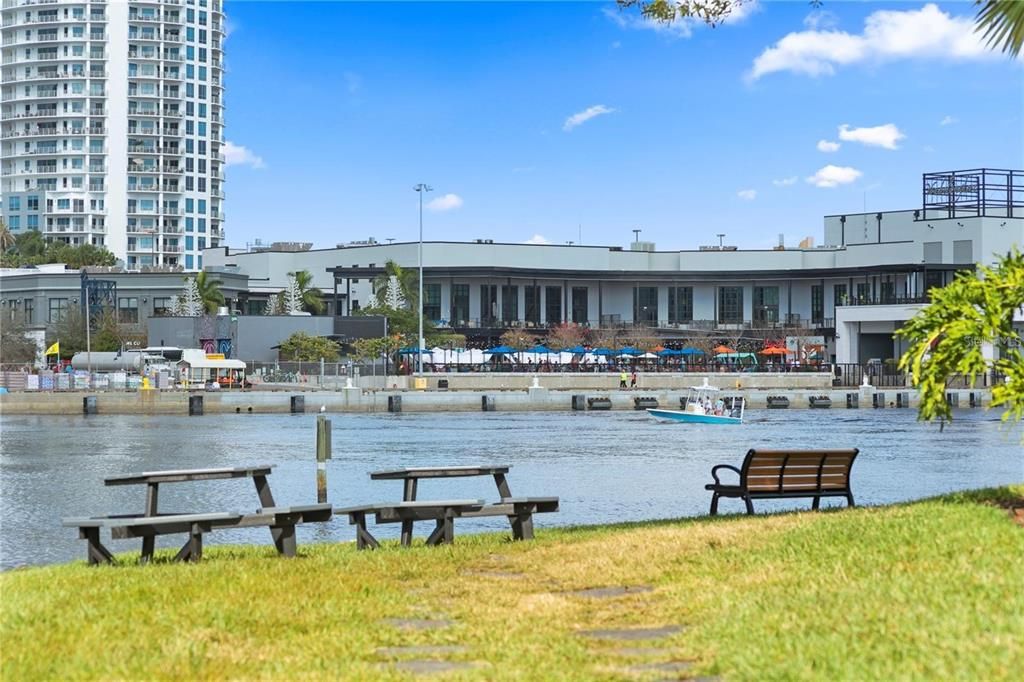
1001,24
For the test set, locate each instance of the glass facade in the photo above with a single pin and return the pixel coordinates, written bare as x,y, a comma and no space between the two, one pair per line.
645,305
730,305
580,305
460,304
765,304
680,305
553,305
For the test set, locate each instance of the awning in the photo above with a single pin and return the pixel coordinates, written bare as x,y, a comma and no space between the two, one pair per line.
206,363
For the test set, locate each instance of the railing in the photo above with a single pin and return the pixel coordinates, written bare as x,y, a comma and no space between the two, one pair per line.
887,375
888,300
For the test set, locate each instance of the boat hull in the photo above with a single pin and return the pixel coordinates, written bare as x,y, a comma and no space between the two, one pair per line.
680,416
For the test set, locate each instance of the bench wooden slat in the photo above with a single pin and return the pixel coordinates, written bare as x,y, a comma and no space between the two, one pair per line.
181,475
438,472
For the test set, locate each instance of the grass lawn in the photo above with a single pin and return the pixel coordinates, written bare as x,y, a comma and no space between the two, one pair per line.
933,589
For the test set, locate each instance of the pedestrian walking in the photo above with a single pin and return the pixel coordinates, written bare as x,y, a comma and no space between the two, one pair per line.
632,380
623,377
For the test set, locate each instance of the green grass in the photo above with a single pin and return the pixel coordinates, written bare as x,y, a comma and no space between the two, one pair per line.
933,589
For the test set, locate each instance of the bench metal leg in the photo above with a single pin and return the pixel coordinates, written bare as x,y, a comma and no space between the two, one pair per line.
714,504
363,537
195,543
406,532
449,530
750,505
286,540
849,499
95,552
148,547
815,504
436,535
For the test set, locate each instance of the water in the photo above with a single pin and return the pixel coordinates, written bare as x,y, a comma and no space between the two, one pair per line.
605,467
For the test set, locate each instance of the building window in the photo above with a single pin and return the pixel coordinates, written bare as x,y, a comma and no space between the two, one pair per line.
488,304
161,306
509,303
839,295
645,305
460,304
531,296
863,293
817,303
730,305
432,302
680,304
888,292
30,311
553,305
766,304
580,304
58,307
128,310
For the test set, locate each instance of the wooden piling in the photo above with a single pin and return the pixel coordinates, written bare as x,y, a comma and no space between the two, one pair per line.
323,453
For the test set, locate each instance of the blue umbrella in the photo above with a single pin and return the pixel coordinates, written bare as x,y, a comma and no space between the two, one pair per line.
540,348
691,351
500,350
669,353
412,351
602,351
576,349
629,350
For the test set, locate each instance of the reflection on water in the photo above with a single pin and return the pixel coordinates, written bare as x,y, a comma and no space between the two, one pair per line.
606,467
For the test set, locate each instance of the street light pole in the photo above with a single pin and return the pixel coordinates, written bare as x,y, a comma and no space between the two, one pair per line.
421,189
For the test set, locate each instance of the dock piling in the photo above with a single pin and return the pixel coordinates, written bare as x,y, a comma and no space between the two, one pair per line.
323,453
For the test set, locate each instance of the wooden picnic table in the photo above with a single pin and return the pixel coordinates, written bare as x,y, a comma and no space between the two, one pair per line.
513,508
280,520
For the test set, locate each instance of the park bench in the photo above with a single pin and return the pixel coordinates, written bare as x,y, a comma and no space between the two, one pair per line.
781,474
443,512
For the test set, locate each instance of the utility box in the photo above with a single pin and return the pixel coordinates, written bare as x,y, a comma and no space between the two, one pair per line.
89,404
298,404
579,402
442,384
419,383
195,406
394,403
487,403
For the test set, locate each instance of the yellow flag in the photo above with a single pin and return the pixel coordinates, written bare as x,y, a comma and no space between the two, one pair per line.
54,349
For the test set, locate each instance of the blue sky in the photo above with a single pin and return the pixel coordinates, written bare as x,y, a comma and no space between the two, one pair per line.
545,120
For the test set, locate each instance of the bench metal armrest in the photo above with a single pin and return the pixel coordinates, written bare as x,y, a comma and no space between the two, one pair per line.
714,471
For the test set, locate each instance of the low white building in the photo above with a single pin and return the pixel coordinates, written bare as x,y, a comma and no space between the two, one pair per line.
886,260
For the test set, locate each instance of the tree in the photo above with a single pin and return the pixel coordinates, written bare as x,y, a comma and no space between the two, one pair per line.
566,335
105,336
1001,24
6,238
83,255
518,338
396,287
311,297
209,291
946,337
15,345
711,12
305,348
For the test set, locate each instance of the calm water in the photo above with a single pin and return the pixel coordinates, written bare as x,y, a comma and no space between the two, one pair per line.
605,466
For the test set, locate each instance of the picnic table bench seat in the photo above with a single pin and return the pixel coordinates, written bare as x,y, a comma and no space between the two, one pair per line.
443,512
280,519
781,474
520,511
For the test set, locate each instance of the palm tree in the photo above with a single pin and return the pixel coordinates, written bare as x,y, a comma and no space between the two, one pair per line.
312,298
408,283
1001,24
6,238
209,292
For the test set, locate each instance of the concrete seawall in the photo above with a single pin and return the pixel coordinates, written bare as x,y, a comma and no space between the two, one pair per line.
355,400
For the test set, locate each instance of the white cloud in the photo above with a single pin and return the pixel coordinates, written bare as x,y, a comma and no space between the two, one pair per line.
888,35
445,202
747,194
948,121
833,176
537,239
885,136
237,155
581,117
821,19
353,82
785,182
741,11
616,44
828,146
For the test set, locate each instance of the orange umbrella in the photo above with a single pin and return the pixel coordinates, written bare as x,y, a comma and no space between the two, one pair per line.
724,349
658,348
775,351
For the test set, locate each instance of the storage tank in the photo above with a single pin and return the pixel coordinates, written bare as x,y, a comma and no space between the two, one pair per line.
129,361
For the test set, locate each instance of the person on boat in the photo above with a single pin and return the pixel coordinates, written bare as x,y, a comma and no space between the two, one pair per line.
719,407
622,379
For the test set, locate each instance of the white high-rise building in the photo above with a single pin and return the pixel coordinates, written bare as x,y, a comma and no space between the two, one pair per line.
113,125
